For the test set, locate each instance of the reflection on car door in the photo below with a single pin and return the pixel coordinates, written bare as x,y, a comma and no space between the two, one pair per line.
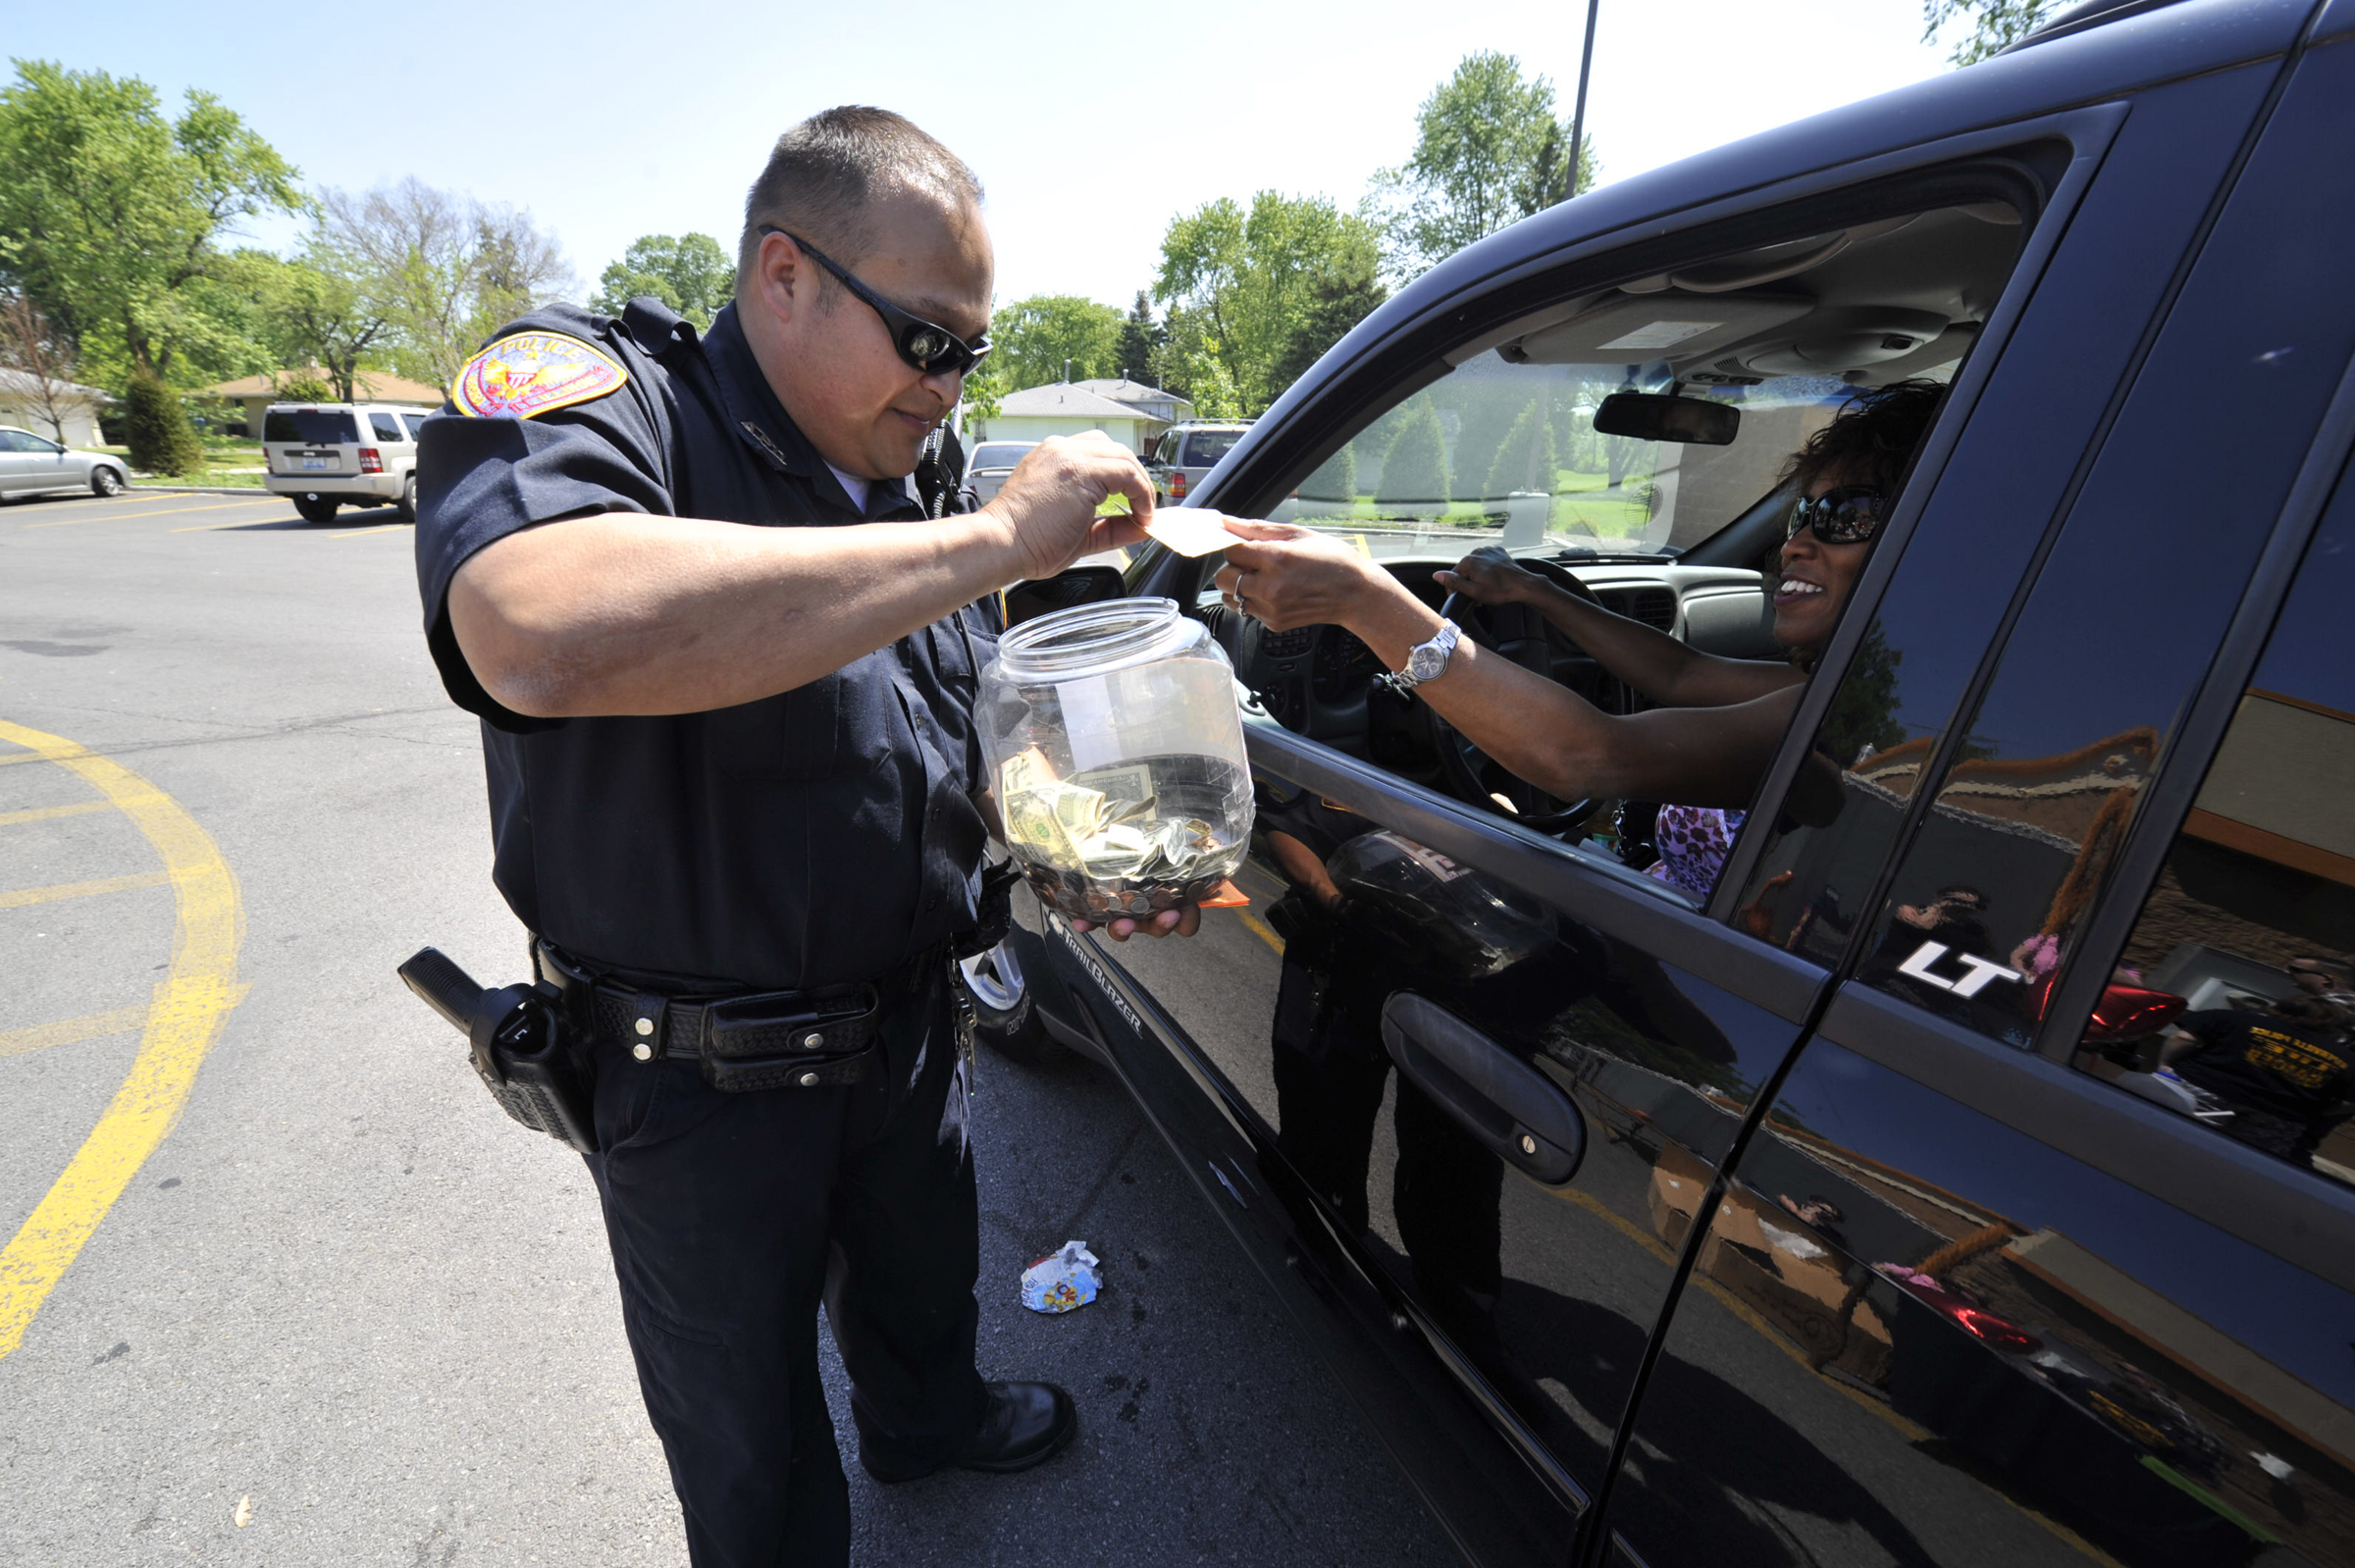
2000,1311
1434,996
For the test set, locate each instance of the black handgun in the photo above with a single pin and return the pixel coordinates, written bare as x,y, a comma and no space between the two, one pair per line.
517,1035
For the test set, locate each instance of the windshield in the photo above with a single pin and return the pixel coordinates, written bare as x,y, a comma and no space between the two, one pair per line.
1000,454
1503,452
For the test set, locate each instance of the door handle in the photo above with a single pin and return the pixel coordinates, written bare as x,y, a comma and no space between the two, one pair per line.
1518,1112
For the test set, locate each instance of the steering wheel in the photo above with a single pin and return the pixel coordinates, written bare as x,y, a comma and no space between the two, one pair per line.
1516,631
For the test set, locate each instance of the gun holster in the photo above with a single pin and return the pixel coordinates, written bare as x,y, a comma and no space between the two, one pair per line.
993,914
522,1047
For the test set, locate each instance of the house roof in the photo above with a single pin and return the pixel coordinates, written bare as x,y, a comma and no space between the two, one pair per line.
25,382
373,386
1130,391
1064,400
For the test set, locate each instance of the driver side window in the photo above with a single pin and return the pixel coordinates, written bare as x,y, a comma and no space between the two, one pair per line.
1640,451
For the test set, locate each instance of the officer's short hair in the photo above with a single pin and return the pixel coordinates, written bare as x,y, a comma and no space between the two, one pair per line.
825,174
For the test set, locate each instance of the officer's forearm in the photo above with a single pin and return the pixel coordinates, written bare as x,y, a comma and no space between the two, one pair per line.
620,612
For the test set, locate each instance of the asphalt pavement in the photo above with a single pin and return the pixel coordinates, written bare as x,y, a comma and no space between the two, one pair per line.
285,1288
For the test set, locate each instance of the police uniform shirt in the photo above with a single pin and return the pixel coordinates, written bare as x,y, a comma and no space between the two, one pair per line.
811,838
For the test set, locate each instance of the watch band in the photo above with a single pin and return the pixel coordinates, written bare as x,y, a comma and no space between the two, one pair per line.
1434,654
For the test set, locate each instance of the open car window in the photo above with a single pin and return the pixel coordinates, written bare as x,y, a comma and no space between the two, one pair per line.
1568,436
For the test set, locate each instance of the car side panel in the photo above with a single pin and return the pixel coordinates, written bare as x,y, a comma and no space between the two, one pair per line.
1947,1339
1980,1353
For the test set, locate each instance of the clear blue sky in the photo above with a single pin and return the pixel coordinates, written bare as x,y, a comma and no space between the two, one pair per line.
1090,124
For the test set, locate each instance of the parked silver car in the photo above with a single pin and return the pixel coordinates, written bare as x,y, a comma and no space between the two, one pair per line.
326,455
992,460
32,465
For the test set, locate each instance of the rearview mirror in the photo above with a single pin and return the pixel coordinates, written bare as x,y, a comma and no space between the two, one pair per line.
1658,416
1081,585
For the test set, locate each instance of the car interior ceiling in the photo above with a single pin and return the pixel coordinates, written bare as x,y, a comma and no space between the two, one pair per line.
1869,304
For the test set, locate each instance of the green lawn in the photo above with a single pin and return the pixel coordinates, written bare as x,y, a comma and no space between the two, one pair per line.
229,463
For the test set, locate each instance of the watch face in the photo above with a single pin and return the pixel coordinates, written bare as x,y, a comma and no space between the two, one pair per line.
1425,662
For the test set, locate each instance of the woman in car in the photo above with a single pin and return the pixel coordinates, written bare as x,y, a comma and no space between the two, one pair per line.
1719,721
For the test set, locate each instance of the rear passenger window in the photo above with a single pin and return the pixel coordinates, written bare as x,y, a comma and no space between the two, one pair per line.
311,427
1204,447
386,428
2235,999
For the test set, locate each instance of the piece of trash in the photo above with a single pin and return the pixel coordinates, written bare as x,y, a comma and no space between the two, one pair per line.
1191,531
242,1514
1061,1280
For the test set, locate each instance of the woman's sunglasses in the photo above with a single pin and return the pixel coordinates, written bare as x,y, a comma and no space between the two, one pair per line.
926,346
1847,515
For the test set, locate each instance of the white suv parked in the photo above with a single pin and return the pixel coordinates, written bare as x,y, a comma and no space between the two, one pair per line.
326,455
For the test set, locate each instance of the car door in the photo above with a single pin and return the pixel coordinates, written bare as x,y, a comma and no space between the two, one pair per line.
1361,1084
16,462
2011,1272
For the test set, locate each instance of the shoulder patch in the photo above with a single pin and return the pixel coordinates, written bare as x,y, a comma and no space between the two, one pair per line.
529,373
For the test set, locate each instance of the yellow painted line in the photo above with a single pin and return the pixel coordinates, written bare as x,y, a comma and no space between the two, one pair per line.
82,890
163,511
362,532
1260,929
191,1003
72,1031
44,813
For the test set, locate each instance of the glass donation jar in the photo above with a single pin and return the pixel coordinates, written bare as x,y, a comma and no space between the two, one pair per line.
1116,749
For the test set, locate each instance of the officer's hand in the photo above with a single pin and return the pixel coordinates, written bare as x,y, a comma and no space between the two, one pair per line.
1049,504
1488,576
1184,920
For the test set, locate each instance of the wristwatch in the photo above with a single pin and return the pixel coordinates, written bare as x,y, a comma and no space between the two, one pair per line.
1427,661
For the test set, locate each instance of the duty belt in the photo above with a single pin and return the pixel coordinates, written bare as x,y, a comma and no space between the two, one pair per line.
759,1040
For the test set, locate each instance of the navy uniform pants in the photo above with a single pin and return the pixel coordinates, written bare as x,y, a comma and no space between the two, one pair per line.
732,1216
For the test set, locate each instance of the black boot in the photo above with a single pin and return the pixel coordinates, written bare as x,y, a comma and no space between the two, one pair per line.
1023,1425
1026,1424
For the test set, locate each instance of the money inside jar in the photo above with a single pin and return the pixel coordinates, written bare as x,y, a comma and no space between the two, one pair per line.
1102,843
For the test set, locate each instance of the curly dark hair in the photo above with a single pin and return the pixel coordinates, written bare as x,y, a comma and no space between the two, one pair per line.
1871,439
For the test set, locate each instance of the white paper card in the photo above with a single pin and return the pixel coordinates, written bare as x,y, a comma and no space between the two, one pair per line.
1191,531
1087,723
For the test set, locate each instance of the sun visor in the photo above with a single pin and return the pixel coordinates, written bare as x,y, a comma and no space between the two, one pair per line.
1672,325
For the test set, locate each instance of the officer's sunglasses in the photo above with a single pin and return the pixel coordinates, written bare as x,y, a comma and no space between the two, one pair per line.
1847,515
926,346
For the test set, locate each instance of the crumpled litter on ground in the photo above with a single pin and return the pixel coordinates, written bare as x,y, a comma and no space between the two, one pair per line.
1062,1279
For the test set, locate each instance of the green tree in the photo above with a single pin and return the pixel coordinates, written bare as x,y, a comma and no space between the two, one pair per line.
1336,299
1249,284
1140,336
318,310
1995,24
1489,152
446,270
690,274
1414,470
1034,339
161,439
1191,362
111,216
1334,479
1527,458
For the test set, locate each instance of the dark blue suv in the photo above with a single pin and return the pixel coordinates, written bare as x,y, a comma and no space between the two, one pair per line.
1962,1173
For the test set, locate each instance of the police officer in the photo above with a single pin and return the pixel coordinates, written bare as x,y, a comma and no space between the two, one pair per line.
735,795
